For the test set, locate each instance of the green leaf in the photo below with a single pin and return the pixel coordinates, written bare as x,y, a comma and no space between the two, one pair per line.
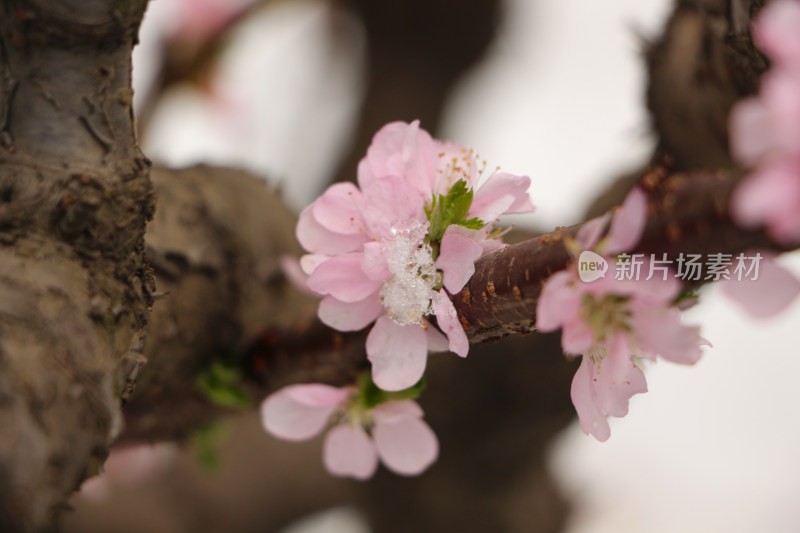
370,395
473,223
205,442
221,384
449,209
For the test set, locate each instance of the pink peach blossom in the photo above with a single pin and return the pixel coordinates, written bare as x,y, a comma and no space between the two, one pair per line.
393,432
765,130
610,322
374,255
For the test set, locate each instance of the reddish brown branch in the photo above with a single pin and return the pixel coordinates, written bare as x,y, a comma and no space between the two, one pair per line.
687,213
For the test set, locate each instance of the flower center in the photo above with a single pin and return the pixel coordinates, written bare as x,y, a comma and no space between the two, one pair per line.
407,294
606,314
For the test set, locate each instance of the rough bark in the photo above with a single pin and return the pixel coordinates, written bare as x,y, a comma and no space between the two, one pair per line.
704,62
74,289
74,286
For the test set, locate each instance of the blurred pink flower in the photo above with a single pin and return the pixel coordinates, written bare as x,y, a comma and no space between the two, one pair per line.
129,467
765,130
393,432
611,322
385,250
772,292
198,20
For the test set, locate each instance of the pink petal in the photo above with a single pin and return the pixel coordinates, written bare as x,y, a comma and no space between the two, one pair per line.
768,295
559,301
420,159
453,163
448,321
659,330
780,92
315,238
348,452
97,489
627,224
590,232
317,394
133,466
393,411
490,245
654,291
768,195
398,354
339,209
576,336
374,263
383,154
407,446
309,262
502,193
749,130
300,412
343,316
437,341
776,33
290,266
592,420
392,203
403,150
342,278
616,378
457,257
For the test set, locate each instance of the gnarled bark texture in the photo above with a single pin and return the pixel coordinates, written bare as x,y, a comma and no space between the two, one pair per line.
74,289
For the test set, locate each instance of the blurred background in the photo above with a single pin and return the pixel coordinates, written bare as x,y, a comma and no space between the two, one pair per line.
293,90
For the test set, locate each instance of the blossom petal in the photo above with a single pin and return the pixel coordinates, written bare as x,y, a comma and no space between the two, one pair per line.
400,149
291,268
309,262
135,465
457,257
392,203
300,412
343,278
339,209
398,354
407,445
576,336
616,378
453,163
592,420
315,238
659,330
503,193
749,130
349,316
393,411
374,263
559,302
448,321
437,341
768,295
591,231
775,31
627,224
771,196
348,452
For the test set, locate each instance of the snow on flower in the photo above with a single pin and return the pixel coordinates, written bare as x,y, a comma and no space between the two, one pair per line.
366,424
390,249
765,130
611,323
